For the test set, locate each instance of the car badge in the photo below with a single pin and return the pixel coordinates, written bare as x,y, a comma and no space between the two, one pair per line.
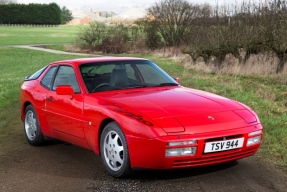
211,118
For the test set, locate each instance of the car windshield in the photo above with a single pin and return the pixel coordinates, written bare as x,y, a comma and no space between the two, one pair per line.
116,75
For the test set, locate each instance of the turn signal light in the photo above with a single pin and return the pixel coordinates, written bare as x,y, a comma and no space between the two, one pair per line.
259,132
179,143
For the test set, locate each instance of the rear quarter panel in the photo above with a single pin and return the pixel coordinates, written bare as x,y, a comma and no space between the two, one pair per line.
33,93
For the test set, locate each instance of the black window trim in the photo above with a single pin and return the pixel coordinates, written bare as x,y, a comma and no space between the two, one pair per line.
53,78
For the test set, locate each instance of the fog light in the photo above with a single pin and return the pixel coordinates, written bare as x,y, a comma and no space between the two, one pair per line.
253,141
178,143
180,151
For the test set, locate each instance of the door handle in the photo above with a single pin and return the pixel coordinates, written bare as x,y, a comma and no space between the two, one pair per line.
50,99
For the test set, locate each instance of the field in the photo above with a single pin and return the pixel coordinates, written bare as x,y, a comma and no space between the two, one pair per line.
15,64
267,96
14,35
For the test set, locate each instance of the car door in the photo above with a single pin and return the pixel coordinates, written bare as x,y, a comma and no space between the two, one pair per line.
64,112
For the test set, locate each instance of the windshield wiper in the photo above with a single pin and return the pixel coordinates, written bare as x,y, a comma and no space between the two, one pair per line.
135,86
164,84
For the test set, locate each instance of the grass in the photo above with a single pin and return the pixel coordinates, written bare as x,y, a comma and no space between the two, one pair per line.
59,47
15,64
19,35
266,95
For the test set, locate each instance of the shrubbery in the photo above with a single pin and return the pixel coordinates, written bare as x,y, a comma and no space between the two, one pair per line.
92,35
252,28
202,31
40,14
98,36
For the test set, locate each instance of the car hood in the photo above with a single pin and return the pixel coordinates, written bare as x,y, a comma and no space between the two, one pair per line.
175,108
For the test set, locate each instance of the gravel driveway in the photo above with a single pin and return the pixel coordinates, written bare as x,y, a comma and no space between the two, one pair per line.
63,167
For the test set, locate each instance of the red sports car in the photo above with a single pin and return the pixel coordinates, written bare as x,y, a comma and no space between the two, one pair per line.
135,115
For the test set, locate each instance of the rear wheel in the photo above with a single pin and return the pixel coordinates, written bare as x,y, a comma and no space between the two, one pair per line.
114,151
32,127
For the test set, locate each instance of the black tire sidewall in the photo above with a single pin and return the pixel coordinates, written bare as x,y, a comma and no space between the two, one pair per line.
39,139
125,170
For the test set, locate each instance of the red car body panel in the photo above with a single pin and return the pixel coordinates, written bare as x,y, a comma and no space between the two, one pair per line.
155,158
149,118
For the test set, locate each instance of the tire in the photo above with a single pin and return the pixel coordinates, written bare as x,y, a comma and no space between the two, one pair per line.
32,127
114,151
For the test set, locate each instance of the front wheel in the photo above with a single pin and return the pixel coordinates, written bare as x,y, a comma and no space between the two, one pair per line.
114,151
32,127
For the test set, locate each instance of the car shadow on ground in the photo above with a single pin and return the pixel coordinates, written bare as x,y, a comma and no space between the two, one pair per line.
181,173
84,157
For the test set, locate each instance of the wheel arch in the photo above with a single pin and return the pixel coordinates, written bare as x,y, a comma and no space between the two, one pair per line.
101,128
25,105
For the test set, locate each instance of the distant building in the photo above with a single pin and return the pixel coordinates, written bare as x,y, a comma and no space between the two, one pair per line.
132,13
84,17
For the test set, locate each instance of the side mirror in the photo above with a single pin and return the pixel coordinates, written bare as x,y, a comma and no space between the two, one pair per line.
65,90
176,79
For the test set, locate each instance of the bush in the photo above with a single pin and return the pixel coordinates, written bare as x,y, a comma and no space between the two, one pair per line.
172,19
252,28
108,39
201,31
92,35
117,41
40,14
150,32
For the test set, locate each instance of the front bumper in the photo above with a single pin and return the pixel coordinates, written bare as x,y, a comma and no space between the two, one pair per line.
151,153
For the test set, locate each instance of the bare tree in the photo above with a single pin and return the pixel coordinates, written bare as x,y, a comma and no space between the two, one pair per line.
173,18
7,1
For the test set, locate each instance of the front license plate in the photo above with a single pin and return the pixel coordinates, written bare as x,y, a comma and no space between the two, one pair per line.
223,145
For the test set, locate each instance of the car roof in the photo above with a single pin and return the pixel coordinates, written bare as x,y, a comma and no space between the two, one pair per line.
96,59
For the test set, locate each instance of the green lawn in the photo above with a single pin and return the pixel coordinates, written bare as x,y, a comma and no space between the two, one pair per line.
14,35
267,96
15,64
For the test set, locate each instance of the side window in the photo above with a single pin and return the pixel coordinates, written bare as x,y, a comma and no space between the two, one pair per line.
47,79
37,74
66,76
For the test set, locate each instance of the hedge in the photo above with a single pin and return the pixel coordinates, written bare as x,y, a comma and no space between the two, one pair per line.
39,14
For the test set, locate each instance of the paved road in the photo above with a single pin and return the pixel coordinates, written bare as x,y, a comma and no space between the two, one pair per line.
40,47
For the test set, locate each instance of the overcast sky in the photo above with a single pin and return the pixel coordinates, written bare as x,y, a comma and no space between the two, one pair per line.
72,4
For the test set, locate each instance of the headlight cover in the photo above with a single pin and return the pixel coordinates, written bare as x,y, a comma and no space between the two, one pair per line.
246,115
